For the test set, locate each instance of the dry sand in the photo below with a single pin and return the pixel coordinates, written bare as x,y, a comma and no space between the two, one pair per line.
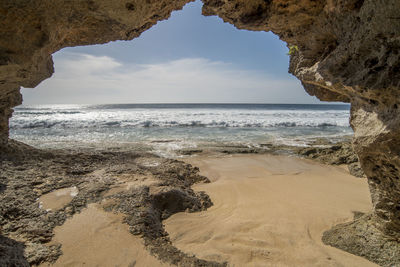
270,211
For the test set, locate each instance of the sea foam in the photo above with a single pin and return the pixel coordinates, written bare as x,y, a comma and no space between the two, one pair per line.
61,125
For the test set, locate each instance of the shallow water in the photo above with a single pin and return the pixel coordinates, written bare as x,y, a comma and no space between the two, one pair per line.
57,199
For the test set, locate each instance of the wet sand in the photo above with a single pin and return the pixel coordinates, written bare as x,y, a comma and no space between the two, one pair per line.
270,211
98,238
57,199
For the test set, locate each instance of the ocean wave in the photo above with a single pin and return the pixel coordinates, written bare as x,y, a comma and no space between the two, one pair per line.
46,112
160,124
225,106
185,125
32,125
125,119
112,123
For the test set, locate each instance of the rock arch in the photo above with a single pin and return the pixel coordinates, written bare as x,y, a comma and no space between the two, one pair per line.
342,50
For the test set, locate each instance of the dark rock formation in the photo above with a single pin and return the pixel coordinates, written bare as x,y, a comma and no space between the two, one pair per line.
31,31
34,173
356,170
11,253
341,50
361,237
337,154
346,51
334,154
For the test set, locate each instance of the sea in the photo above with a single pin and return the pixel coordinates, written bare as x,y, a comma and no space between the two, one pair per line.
165,128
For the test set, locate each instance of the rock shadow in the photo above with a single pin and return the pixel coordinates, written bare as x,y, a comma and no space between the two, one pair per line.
12,253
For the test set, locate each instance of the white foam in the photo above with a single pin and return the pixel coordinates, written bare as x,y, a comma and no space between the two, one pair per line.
53,126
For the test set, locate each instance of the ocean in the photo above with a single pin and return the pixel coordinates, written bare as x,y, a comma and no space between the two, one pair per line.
164,128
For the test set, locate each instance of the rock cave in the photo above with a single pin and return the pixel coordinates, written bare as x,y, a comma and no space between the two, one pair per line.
346,51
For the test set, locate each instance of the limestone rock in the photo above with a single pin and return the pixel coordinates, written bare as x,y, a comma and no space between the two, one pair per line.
356,170
342,50
31,31
379,248
336,154
154,193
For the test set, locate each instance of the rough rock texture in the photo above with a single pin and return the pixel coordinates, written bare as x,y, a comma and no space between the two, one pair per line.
12,253
342,50
159,188
30,31
321,149
361,237
346,51
334,154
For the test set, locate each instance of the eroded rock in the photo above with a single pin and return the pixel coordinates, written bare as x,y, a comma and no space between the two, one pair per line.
340,50
31,31
146,196
348,236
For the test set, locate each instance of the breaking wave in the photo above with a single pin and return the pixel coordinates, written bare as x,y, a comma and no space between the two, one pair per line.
151,124
242,117
191,123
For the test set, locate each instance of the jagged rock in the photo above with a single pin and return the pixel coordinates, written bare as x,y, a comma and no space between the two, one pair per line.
334,154
355,170
12,253
376,246
342,50
23,180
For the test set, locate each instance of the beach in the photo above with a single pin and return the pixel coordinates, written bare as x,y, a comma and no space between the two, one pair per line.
169,132
179,185
102,208
267,211
270,211
98,238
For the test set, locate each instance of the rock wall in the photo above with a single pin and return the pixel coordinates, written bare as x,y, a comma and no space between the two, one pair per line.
341,50
32,30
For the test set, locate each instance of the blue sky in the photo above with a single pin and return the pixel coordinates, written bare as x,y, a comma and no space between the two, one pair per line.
188,58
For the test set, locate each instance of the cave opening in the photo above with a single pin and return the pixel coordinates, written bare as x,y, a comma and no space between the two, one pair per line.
340,51
238,80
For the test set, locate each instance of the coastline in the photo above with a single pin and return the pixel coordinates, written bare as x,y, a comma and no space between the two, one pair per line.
142,187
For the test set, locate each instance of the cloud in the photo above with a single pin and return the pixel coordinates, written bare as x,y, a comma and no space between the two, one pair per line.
88,79
83,64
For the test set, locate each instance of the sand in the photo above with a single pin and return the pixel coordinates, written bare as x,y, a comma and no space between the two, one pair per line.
270,211
98,238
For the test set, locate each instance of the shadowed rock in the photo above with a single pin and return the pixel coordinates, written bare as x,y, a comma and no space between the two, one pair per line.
340,50
12,253
145,194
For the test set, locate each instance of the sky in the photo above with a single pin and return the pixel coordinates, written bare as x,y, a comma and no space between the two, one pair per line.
188,58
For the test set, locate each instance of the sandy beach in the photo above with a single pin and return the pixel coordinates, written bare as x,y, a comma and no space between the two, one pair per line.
270,211
211,209
200,133
98,238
